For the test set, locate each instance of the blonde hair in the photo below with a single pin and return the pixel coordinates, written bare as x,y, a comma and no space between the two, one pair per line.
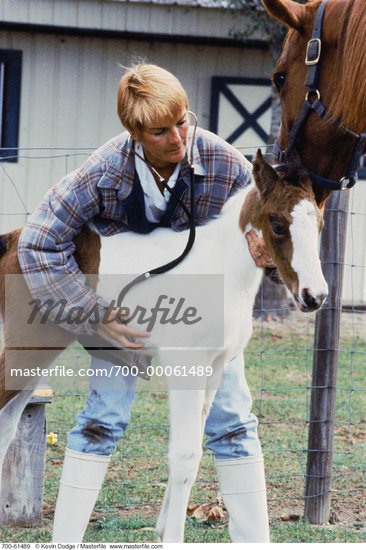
148,92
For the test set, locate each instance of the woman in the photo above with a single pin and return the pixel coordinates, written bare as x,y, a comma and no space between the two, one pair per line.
119,189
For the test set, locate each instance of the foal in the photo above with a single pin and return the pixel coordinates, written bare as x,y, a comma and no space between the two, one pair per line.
281,206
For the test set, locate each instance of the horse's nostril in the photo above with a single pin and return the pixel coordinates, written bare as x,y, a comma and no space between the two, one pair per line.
312,302
309,300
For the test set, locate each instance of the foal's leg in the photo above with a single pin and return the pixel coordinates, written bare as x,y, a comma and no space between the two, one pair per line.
188,412
189,409
185,450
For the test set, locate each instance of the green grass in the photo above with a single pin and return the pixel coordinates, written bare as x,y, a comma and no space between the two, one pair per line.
278,369
111,528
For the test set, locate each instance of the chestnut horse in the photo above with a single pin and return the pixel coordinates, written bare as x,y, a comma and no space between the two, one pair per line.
321,81
282,207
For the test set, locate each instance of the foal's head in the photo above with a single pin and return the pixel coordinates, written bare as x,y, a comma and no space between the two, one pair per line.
283,207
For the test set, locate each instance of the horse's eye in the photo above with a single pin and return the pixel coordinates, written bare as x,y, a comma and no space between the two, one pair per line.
279,229
279,225
279,80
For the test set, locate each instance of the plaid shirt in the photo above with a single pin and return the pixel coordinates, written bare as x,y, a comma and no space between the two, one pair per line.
95,193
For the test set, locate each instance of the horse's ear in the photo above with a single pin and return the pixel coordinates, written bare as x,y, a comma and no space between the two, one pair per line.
288,12
265,176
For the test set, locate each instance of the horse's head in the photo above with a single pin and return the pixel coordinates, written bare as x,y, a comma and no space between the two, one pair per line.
284,209
338,62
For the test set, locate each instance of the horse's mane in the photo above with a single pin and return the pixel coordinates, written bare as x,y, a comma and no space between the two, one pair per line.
349,103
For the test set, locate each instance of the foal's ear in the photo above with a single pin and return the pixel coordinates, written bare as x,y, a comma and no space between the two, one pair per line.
265,176
288,12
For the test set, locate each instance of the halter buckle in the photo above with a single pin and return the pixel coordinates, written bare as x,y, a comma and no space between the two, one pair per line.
310,92
313,50
347,182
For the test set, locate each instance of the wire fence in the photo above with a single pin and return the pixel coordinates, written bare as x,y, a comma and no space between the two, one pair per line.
278,369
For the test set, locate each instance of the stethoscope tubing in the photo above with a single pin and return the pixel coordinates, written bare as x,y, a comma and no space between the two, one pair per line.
190,214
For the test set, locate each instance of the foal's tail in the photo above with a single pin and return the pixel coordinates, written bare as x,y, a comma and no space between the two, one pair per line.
9,243
9,263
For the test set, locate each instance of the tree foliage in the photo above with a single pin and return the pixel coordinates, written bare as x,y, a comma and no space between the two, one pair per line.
255,20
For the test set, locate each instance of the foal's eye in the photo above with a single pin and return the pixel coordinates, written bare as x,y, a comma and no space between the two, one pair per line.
278,226
279,80
279,229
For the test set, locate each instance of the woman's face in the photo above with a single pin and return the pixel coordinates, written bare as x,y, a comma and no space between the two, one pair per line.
165,141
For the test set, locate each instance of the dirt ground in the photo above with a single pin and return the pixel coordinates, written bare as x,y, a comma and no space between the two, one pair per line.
345,513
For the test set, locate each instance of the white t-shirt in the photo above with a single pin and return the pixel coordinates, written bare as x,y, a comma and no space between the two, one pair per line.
155,202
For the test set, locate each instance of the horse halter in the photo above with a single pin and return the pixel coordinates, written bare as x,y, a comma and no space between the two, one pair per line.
312,59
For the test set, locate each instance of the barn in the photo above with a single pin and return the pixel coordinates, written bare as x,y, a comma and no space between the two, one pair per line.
60,63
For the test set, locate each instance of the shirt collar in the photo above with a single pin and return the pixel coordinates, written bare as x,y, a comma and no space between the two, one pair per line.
123,166
196,157
120,168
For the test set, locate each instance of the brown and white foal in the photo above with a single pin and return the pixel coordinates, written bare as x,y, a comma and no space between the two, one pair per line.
282,208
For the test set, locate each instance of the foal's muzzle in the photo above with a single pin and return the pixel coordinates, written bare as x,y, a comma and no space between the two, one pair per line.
307,302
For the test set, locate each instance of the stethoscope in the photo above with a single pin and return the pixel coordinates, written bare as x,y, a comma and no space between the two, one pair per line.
190,214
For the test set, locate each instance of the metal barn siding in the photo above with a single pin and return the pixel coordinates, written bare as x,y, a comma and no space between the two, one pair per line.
175,18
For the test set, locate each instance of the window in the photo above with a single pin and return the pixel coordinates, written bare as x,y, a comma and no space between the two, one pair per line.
241,111
10,76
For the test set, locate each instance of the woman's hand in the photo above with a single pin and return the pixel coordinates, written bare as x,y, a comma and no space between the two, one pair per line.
258,251
116,327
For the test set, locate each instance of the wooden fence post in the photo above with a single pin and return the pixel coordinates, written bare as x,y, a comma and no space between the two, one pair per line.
21,496
325,363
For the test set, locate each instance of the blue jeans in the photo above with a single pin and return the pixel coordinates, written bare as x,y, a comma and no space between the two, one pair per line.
231,427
